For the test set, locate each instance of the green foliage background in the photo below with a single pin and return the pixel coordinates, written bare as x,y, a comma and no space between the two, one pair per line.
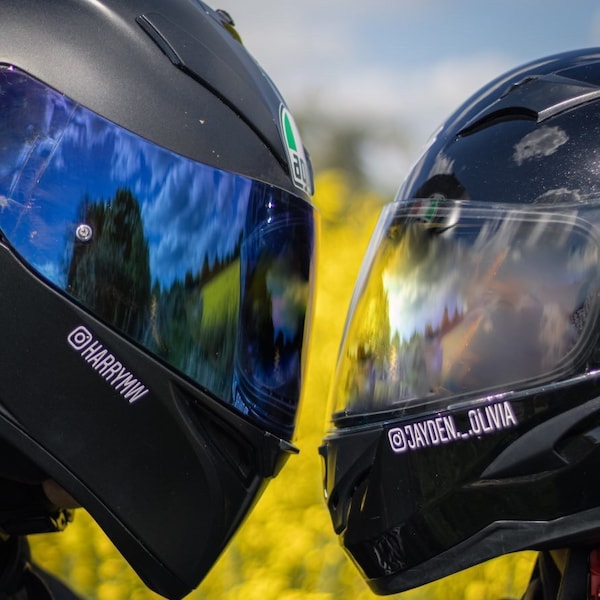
286,549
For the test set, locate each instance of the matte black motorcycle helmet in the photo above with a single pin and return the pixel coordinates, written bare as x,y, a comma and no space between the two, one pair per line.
156,251
465,409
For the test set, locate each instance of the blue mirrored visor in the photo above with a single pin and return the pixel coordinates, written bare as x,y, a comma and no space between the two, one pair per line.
208,270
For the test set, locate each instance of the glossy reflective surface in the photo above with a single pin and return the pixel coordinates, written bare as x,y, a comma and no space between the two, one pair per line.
460,298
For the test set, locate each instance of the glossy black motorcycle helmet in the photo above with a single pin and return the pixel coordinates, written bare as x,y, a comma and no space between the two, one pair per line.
156,251
465,410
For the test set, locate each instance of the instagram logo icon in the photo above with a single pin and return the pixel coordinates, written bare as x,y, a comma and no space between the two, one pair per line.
80,337
106,364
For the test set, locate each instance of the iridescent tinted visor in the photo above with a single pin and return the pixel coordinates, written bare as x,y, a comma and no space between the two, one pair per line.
208,270
459,298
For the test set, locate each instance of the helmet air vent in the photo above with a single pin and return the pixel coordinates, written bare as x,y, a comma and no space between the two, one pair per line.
535,98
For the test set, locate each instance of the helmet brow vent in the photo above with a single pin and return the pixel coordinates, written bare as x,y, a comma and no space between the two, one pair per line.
213,58
537,99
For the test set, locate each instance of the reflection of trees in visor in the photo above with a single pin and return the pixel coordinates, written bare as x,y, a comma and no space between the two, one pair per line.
112,272
496,299
190,323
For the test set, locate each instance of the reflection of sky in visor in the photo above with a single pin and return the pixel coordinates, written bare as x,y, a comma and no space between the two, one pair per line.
76,154
289,297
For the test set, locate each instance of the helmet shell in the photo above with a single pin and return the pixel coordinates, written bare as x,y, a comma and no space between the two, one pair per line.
416,494
171,476
508,142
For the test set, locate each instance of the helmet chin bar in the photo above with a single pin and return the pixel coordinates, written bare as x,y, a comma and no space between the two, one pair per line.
514,505
491,542
168,478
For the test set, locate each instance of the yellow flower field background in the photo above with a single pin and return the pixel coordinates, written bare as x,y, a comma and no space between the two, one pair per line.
286,549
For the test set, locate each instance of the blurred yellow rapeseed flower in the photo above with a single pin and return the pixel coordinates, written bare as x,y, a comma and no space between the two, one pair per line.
286,549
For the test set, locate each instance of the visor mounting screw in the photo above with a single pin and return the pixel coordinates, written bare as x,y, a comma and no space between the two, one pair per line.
84,233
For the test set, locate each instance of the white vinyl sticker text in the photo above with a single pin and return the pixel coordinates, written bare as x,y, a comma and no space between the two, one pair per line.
436,431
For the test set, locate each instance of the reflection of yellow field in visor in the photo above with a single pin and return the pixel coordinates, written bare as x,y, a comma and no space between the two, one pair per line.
220,300
212,313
